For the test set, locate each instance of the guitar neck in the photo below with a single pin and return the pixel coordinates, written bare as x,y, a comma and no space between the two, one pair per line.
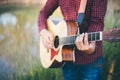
94,36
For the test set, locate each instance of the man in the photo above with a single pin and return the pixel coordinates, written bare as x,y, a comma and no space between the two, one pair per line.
88,55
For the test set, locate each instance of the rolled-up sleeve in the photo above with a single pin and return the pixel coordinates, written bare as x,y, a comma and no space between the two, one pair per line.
45,12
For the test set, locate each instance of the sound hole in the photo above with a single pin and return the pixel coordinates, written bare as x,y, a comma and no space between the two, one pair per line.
56,42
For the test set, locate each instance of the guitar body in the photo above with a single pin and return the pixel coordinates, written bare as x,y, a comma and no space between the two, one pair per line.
53,58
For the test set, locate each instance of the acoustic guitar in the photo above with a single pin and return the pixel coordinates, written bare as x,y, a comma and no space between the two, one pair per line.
63,49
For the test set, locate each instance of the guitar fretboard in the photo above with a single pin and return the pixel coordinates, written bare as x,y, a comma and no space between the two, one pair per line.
95,36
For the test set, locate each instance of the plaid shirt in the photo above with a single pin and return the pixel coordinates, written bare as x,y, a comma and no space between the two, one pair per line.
93,21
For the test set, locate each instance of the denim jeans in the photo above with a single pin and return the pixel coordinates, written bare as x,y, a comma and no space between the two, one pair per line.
83,72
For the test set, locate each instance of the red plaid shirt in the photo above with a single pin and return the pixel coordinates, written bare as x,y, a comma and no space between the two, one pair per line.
93,21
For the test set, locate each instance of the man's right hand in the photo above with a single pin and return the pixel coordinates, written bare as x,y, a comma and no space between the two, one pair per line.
47,38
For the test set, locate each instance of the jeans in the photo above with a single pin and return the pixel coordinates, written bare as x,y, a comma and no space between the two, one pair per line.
83,72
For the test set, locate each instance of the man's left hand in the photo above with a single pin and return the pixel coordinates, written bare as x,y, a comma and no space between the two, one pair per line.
83,45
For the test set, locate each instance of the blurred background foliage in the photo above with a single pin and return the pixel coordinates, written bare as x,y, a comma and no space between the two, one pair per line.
19,42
